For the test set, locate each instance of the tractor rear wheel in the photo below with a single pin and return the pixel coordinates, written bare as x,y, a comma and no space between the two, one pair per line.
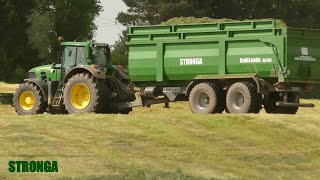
29,100
242,97
84,94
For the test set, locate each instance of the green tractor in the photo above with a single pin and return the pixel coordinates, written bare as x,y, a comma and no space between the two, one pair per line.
82,81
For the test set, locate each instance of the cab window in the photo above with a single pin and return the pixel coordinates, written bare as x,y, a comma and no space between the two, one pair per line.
81,55
74,55
100,56
70,54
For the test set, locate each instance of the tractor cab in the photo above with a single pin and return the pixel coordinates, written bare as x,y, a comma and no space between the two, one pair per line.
84,55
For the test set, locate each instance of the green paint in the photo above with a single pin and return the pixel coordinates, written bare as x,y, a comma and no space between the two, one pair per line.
225,49
33,166
93,54
77,57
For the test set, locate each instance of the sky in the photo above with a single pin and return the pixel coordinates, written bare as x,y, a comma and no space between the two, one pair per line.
108,31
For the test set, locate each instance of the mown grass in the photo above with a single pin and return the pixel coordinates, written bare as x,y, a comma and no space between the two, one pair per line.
161,143
8,88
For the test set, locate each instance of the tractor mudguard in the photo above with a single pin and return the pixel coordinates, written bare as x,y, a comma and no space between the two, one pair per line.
95,72
42,85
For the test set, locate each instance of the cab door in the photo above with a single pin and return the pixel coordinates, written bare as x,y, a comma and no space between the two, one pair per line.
72,56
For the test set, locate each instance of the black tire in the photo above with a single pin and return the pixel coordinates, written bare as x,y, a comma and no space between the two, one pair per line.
271,107
205,98
242,97
97,101
39,105
61,109
125,111
221,103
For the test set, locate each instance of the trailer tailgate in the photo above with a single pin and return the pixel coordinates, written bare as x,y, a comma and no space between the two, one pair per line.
303,55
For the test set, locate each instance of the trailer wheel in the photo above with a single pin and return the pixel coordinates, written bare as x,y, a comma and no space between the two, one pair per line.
83,94
28,100
204,99
242,97
271,107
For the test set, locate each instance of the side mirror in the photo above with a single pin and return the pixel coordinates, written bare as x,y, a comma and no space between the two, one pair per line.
54,67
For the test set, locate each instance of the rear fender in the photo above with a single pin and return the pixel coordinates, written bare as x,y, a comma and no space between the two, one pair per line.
95,72
122,74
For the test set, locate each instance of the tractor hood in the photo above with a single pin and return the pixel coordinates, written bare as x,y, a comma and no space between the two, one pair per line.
41,68
53,75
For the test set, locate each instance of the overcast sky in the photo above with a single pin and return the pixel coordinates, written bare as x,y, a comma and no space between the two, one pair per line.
108,31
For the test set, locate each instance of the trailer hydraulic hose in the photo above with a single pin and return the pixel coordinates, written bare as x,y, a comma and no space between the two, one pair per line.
275,51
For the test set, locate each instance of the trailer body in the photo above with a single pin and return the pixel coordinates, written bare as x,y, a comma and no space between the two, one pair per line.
176,58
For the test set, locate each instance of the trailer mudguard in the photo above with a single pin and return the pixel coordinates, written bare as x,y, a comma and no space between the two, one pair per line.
262,85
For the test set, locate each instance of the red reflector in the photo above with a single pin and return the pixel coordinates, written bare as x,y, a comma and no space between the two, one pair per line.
60,38
280,86
94,66
309,87
119,66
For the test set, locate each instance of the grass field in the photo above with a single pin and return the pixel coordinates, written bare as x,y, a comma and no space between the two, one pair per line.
7,88
164,144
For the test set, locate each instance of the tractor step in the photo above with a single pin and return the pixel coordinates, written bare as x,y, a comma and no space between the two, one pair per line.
57,99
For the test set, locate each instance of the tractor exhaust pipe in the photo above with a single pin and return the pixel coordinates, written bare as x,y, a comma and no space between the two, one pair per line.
50,96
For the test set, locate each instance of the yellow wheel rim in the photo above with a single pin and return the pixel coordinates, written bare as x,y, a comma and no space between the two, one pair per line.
26,100
80,96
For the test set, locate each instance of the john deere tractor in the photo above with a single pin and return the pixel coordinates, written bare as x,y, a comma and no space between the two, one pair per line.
82,81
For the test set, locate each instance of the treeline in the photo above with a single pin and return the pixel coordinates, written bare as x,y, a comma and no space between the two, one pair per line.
29,28
296,13
29,31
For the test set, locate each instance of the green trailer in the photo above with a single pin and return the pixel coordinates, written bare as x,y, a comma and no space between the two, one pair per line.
237,67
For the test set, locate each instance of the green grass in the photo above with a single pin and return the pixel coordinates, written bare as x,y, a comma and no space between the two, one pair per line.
164,144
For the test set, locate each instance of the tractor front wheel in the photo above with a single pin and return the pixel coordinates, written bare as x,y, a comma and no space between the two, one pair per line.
29,100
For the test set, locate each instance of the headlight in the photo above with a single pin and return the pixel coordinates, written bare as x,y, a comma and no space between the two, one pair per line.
32,75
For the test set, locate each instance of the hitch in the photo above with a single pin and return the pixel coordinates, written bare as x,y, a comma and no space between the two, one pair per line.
286,104
6,98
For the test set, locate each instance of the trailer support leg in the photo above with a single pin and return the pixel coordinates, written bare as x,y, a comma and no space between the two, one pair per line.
166,105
